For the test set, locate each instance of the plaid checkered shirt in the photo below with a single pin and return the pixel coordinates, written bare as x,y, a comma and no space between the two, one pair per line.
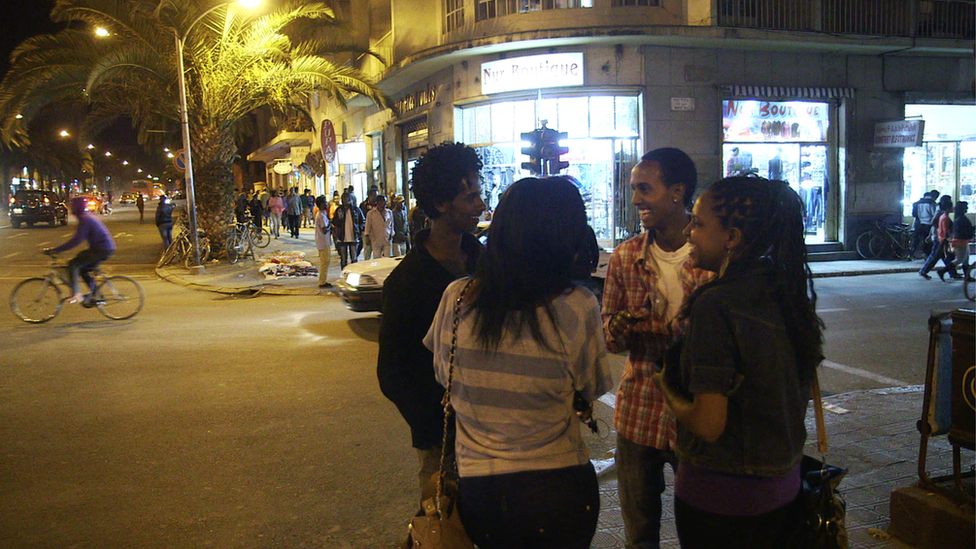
641,415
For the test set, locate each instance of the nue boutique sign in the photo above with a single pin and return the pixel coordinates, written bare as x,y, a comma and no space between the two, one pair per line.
532,72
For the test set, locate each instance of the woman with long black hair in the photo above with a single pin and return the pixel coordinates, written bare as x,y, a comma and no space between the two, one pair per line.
741,387
529,338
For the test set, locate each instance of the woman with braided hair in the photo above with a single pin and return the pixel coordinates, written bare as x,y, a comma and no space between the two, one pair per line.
741,386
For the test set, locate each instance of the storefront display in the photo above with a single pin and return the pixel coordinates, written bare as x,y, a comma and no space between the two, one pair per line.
602,141
946,161
785,140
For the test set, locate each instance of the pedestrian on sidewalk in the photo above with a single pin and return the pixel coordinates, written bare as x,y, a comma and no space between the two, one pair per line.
264,196
293,209
308,202
164,220
961,236
923,210
379,228
141,204
323,240
741,386
940,244
446,182
257,211
276,206
527,331
400,241
347,227
366,245
648,279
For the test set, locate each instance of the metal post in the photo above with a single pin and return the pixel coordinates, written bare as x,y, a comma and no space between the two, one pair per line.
197,268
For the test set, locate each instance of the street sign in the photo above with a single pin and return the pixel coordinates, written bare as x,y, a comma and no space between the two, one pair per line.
179,160
328,141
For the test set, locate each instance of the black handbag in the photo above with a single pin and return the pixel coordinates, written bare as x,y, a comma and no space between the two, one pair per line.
823,507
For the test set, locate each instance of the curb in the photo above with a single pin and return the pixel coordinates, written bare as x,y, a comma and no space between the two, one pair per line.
253,290
894,270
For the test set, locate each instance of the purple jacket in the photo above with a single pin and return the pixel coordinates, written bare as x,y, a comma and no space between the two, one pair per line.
92,229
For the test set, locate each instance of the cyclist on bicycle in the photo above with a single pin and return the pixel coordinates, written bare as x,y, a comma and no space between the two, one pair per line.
100,247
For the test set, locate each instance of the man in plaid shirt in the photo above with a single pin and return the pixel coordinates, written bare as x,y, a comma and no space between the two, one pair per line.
648,279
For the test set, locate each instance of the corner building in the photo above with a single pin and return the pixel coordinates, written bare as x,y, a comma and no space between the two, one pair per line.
794,89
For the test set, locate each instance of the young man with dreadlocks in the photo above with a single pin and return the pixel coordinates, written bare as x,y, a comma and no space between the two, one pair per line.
741,387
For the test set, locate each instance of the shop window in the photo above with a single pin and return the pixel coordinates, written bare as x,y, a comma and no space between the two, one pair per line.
453,14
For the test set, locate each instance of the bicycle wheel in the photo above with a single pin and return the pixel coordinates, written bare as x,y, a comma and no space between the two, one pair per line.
234,248
881,246
189,260
969,284
261,237
168,255
36,300
862,245
119,297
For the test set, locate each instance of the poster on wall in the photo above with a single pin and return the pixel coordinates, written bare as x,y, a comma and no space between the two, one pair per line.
755,121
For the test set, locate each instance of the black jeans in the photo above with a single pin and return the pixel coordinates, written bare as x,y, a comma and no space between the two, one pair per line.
293,222
551,509
347,253
699,529
83,264
640,484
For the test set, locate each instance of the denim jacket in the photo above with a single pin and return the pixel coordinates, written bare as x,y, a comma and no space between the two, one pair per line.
737,345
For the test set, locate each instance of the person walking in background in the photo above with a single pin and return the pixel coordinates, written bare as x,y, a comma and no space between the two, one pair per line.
264,196
740,388
401,242
923,210
959,239
141,204
648,279
446,182
276,206
308,202
366,245
240,207
940,244
257,212
379,228
527,331
293,209
323,240
347,226
164,220
334,204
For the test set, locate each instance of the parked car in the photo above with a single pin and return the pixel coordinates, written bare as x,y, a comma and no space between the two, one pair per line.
30,206
361,284
128,198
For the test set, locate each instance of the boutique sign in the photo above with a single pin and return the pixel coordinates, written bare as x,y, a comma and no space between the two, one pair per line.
532,72
783,121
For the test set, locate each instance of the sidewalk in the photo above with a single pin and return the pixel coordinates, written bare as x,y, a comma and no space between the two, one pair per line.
872,433
243,277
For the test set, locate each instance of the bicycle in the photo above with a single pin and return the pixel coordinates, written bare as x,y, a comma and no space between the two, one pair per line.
243,238
182,248
39,299
884,240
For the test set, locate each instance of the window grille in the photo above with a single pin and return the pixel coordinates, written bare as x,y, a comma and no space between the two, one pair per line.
618,3
453,14
490,9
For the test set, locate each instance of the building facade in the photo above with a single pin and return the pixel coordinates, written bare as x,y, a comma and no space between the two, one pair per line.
789,89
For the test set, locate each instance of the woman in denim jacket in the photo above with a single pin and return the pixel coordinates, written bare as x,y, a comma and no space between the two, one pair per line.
741,389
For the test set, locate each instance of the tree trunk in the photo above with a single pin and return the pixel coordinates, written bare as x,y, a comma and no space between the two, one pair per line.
213,152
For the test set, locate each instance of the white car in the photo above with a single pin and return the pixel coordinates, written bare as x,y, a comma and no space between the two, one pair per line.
361,284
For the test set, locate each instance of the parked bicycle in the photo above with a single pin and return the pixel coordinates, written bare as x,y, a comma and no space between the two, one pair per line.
242,238
884,240
181,249
39,299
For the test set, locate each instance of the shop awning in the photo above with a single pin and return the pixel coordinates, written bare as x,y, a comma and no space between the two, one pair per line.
785,92
280,147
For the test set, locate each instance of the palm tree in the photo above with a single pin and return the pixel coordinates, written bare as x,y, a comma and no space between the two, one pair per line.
236,61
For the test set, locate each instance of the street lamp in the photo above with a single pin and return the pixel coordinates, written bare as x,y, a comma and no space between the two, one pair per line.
184,121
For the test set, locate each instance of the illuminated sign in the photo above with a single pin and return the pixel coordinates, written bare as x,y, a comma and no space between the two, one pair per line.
532,72
774,121
352,153
899,133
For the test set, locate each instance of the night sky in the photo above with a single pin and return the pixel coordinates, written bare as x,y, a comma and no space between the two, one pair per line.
22,18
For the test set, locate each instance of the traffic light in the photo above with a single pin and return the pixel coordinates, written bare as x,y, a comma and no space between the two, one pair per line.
534,152
551,150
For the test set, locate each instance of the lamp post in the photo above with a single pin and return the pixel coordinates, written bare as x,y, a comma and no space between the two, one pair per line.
185,123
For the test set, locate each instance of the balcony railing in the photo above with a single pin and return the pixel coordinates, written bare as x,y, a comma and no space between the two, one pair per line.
372,66
910,18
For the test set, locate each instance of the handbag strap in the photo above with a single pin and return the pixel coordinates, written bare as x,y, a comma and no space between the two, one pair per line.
448,410
818,415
